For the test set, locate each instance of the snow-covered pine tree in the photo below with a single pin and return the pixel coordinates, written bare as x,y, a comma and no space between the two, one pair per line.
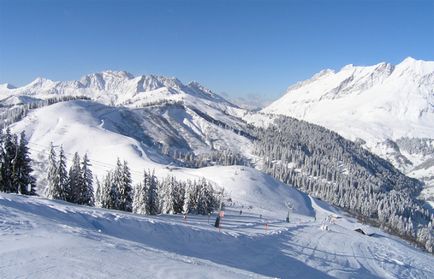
14,165
98,193
153,199
137,199
62,176
53,189
209,198
141,195
75,182
105,191
122,180
87,196
9,153
126,190
201,199
140,200
116,180
194,196
205,199
110,193
167,188
24,180
178,197
189,203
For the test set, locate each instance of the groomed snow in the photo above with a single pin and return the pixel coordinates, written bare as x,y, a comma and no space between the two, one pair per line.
40,238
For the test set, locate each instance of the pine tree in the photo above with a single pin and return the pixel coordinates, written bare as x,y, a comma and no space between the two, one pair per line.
194,196
124,185
9,153
106,187
140,202
188,203
141,195
15,167
75,182
105,191
178,197
137,199
98,193
211,200
153,199
25,181
87,183
110,193
205,200
167,195
62,177
53,189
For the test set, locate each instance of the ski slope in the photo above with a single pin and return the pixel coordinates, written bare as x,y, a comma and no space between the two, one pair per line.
40,238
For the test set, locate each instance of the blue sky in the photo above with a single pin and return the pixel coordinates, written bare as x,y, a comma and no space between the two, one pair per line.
240,48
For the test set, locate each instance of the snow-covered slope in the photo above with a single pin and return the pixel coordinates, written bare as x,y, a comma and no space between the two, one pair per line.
378,104
399,99
52,239
106,133
154,110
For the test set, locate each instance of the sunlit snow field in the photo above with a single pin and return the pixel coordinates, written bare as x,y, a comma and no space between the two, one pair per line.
40,238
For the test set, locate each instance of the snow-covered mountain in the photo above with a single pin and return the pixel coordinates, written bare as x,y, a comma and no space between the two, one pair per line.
118,88
40,238
139,119
161,124
387,108
167,111
136,135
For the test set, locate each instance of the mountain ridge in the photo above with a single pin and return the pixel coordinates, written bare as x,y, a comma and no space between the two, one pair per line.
115,87
378,105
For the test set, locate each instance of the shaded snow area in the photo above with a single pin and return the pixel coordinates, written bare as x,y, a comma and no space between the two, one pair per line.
41,238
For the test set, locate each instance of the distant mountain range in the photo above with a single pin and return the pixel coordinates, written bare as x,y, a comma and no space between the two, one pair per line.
389,109
115,87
